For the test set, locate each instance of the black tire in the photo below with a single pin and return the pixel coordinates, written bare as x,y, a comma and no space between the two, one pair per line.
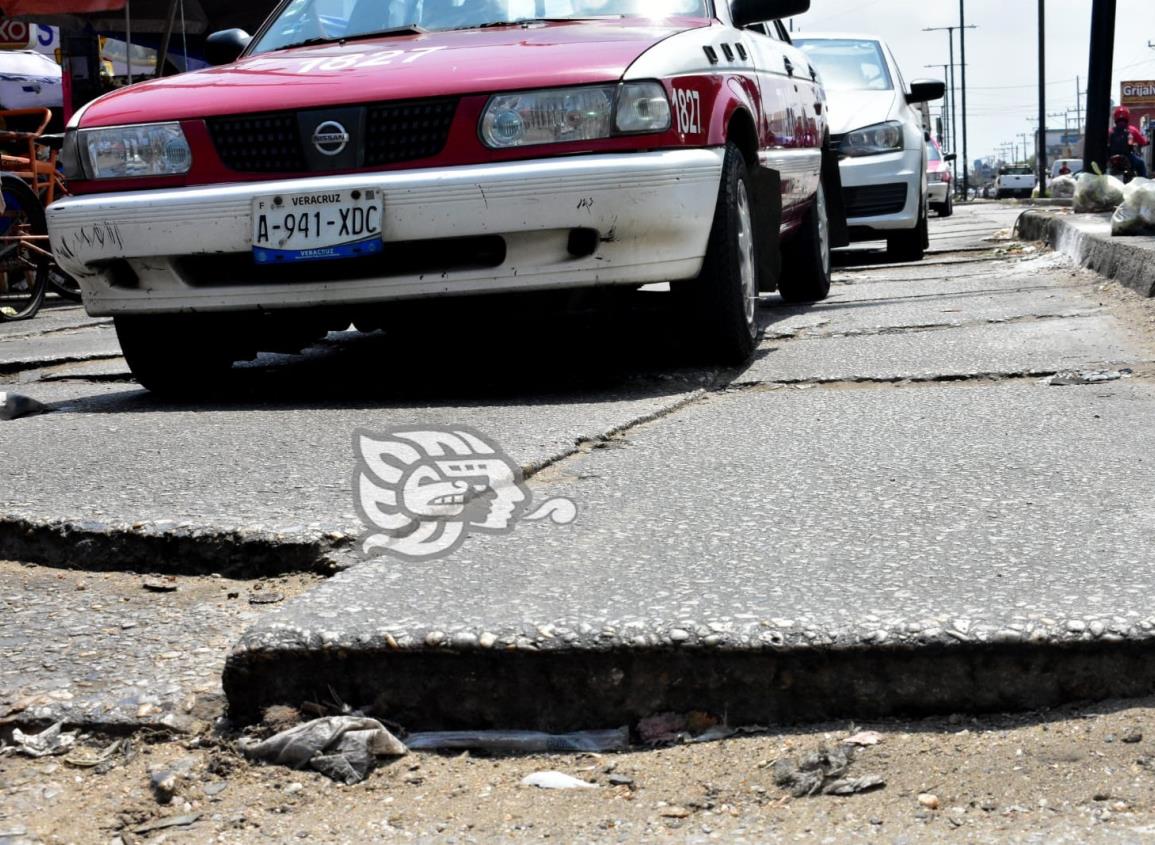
720,307
910,245
23,265
806,256
178,355
947,208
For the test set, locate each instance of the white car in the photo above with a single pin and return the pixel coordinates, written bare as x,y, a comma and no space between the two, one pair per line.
29,80
881,141
1074,165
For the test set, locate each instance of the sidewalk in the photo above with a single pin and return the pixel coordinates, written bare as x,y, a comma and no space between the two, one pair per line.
1087,239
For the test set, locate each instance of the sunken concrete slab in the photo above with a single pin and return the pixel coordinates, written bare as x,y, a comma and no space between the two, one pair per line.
770,554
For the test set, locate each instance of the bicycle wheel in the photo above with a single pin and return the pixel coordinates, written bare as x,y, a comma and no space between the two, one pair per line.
24,256
62,284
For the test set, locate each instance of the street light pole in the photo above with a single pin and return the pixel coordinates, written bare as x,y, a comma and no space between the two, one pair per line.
1099,83
946,133
949,30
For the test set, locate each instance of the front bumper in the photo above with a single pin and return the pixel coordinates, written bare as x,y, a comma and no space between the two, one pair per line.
898,168
189,249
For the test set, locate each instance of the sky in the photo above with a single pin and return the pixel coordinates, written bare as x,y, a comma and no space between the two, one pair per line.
1002,53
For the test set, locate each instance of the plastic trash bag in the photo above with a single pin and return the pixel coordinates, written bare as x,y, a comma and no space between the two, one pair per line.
524,742
1097,192
1063,187
1136,216
343,748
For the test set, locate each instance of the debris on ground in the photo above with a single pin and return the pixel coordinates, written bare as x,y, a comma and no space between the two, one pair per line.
863,738
13,406
171,821
47,743
343,748
929,800
821,772
556,780
1072,378
101,759
167,584
662,727
525,742
266,597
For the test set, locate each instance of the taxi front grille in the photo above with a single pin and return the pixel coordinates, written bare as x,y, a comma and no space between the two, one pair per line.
396,132
276,143
873,200
267,143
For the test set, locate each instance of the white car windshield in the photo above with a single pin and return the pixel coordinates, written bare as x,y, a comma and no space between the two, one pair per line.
848,65
317,21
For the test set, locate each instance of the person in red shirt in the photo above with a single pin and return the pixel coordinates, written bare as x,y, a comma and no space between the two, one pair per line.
1127,140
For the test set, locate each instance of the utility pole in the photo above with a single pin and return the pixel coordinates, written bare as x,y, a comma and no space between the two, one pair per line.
1041,149
949,30
1099,83
945,114
962,41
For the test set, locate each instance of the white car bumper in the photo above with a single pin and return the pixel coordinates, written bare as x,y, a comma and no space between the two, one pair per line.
936,192
167,251
883,192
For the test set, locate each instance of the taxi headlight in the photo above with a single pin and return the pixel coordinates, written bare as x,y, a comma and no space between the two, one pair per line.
121,152
873,140
563,115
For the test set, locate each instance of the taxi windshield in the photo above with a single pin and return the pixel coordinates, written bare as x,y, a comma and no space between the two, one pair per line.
848,65
320,21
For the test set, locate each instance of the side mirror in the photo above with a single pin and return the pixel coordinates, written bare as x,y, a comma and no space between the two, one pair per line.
950,157
746,12
225,47
926,90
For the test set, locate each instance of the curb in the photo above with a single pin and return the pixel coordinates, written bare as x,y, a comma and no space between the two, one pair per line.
1087,239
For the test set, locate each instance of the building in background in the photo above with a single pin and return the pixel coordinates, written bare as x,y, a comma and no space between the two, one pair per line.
1139,97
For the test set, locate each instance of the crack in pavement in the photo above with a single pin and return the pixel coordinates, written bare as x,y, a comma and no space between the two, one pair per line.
811,333
1138,374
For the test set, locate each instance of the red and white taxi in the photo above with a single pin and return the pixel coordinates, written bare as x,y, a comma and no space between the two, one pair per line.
356,153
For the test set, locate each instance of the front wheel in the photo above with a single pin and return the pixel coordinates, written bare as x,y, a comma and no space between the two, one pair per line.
175,355
24,255
720,307
911,244
806,256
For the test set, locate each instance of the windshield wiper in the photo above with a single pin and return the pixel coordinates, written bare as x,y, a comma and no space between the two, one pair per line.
411,29
526,21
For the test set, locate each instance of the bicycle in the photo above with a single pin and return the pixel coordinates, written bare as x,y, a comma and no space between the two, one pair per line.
24,255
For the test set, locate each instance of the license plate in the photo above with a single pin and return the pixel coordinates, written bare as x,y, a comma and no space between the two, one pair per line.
291,228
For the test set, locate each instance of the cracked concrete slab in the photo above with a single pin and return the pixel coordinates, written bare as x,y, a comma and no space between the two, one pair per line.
266,483
770,555
1025,348
26,352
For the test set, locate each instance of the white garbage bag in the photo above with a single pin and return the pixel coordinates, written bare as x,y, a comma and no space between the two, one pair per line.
1136,216
1063,187
1096,192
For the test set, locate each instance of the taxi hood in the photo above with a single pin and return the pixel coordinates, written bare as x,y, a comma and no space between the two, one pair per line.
393,68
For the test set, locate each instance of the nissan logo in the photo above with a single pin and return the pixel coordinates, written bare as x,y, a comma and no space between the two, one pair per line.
330,138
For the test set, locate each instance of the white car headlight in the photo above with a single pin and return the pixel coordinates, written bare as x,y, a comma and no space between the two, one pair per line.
560,115
873,140
119,152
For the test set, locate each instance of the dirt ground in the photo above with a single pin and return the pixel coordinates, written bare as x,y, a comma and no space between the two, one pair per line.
1076,775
